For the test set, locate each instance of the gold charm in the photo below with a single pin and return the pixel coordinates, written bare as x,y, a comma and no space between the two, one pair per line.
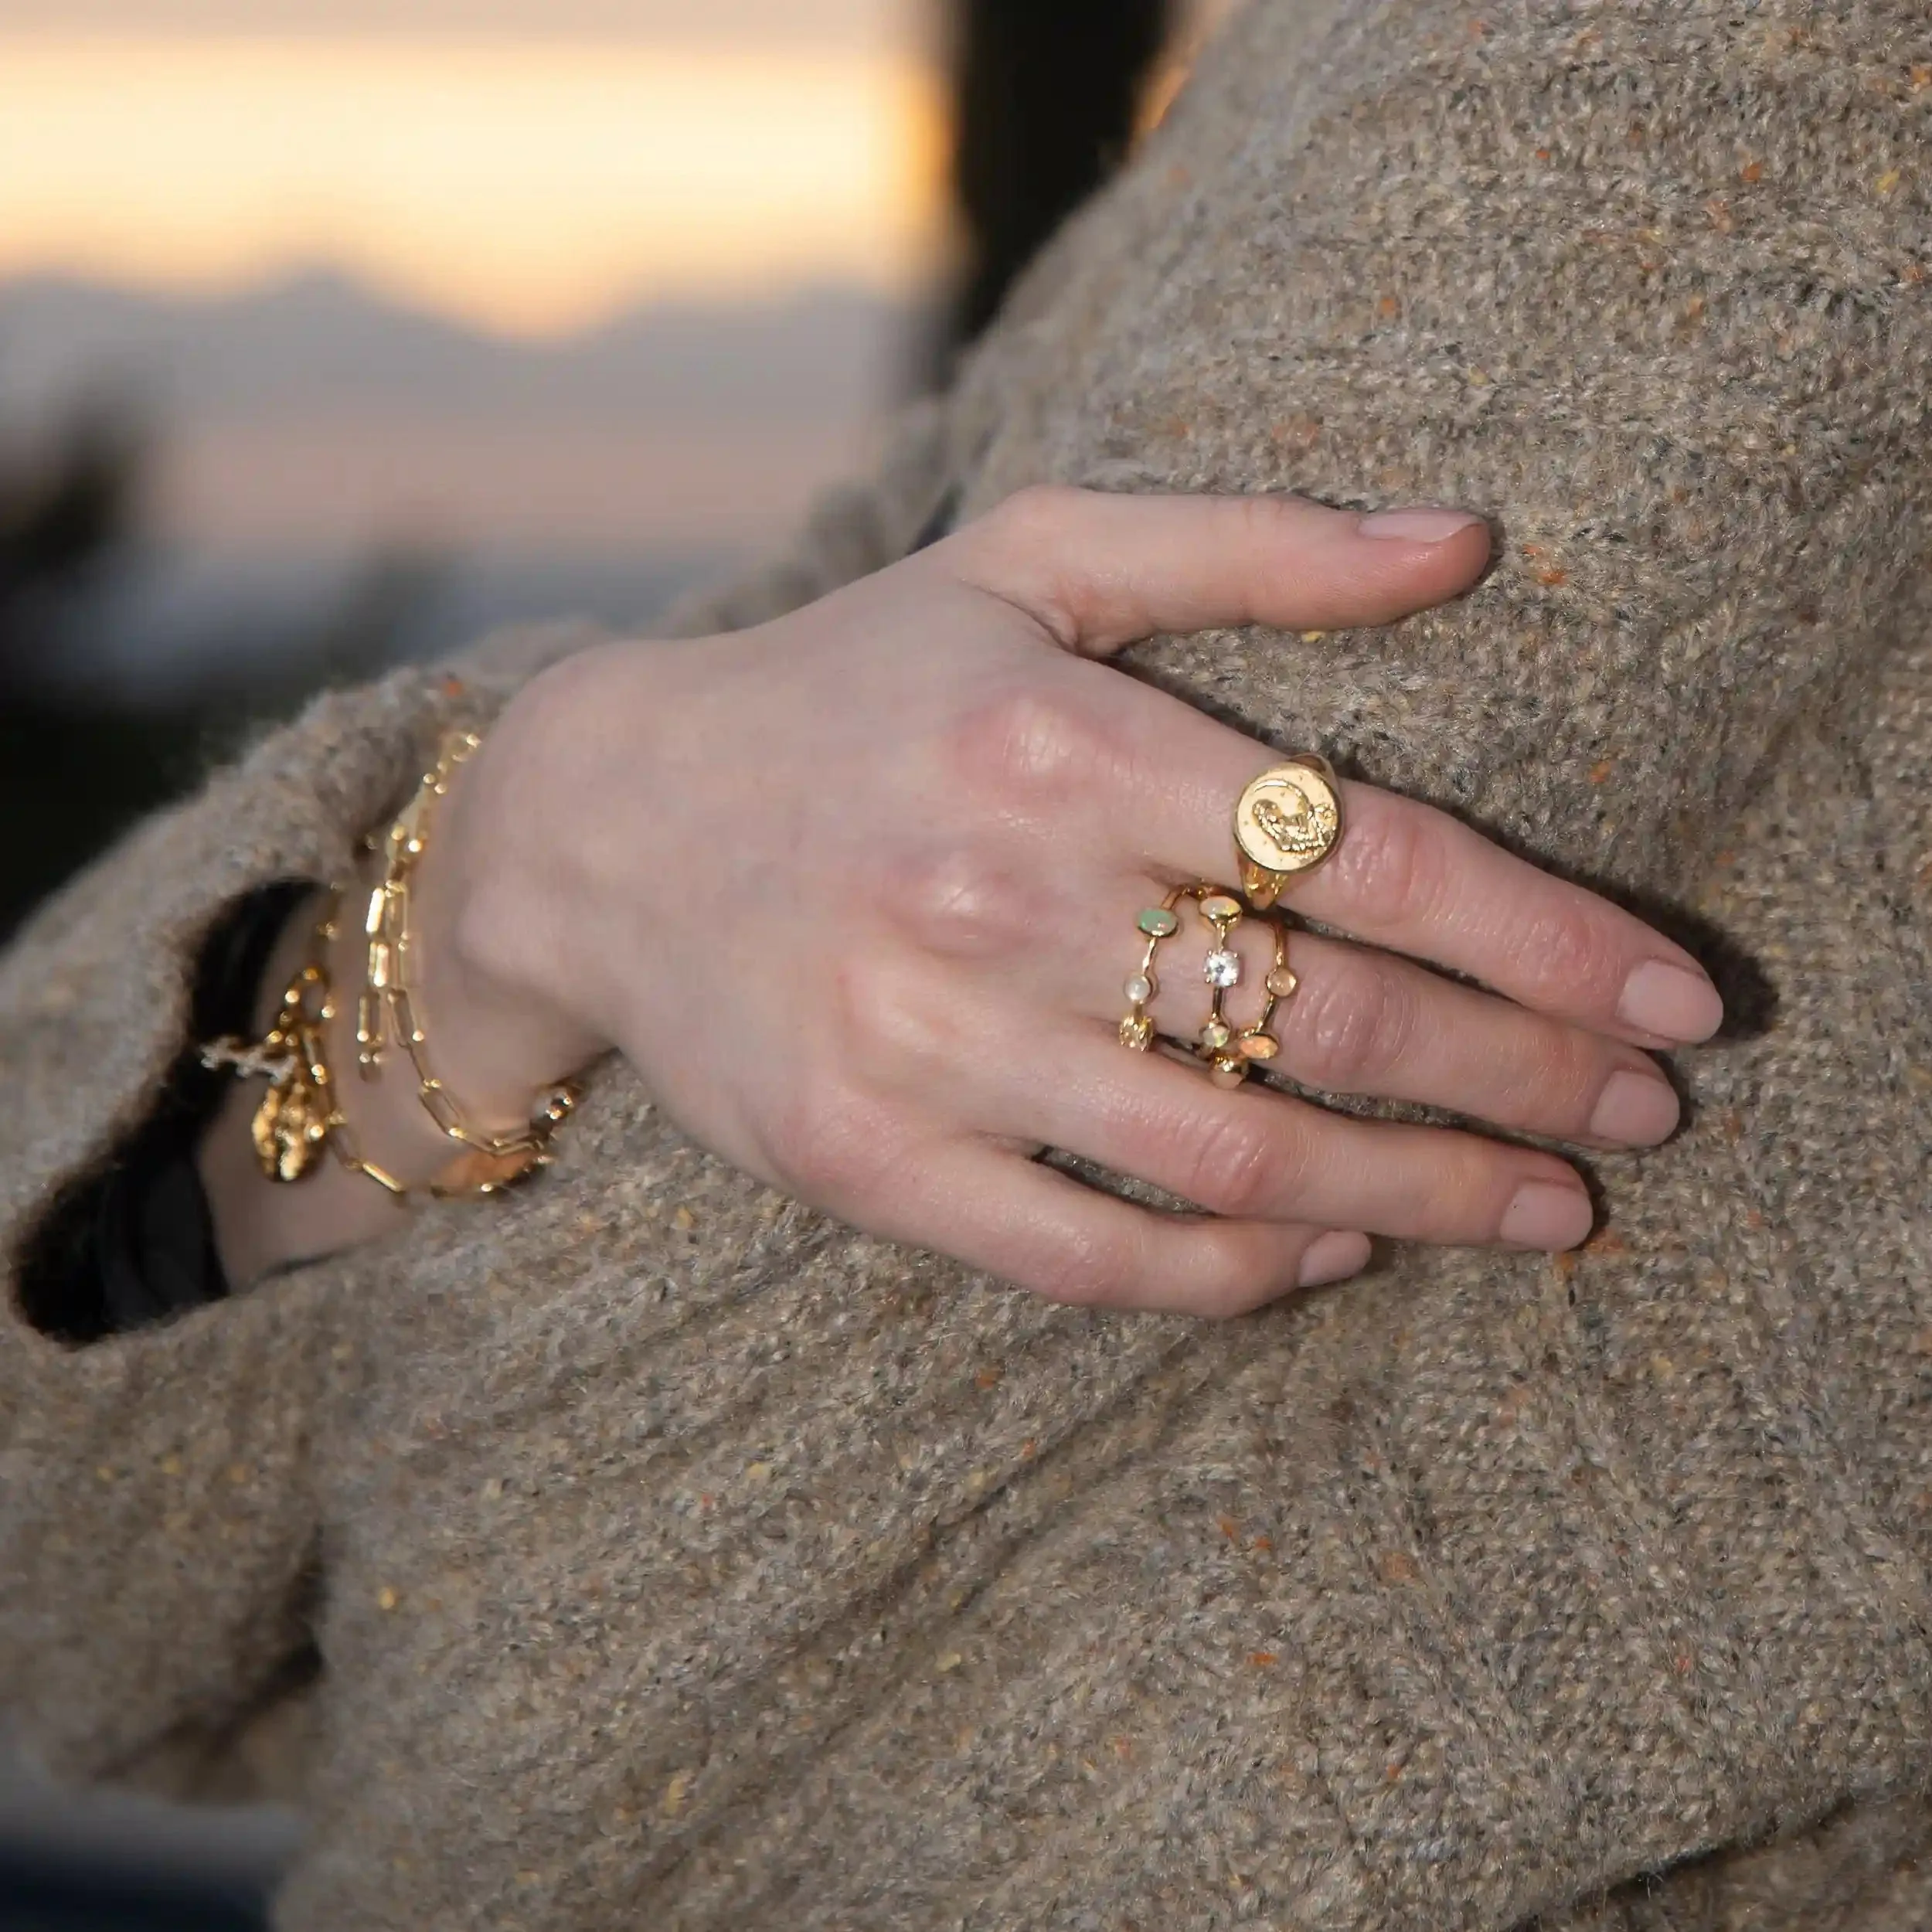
1288,821
290,1128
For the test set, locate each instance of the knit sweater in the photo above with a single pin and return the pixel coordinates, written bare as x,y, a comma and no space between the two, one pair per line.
677,1557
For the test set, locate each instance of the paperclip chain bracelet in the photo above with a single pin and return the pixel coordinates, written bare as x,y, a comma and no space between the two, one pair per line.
387,1013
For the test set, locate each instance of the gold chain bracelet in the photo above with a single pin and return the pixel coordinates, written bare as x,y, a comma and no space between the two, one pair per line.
386,1011
301,1114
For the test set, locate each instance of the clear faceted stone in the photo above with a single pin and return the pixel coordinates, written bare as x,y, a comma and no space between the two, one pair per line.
1139,988
1221,968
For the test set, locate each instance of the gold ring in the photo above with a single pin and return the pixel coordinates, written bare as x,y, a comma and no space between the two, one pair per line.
1155,922
1287,822
1227,1053
1221,969
1230,1055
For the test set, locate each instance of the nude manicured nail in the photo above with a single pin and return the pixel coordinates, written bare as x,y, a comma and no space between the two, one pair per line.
1639,1109
1333,1258
1671,1001
1416,526
1547,1214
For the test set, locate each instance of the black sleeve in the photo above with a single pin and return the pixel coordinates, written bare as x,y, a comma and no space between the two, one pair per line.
134,1243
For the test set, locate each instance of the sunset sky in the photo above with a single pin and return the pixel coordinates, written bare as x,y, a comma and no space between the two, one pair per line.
529,166
527,169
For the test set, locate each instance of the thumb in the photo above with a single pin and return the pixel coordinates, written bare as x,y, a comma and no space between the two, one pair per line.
1099,571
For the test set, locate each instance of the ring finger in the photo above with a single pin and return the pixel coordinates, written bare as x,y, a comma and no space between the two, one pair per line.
1362,1022
1256,1154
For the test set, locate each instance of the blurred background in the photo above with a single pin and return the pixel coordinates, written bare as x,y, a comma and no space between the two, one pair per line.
334,332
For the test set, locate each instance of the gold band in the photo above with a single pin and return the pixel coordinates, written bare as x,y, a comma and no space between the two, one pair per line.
1227,1052
1230,1056
1155,922
1286,822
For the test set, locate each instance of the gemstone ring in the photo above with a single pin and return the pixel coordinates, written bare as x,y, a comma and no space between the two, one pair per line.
1228,1053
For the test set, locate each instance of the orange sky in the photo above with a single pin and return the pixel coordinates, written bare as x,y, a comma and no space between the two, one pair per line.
527,184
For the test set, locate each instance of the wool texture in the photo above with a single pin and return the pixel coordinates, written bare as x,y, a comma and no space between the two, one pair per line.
678,1557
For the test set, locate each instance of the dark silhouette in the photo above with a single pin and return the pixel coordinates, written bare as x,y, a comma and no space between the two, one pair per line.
1048,92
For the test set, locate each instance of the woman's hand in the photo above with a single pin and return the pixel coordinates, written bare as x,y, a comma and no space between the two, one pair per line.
855,892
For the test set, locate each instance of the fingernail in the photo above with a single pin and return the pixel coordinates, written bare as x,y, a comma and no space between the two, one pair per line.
1640,1109
1671,1001
1547,1214
1415,527
1333,1258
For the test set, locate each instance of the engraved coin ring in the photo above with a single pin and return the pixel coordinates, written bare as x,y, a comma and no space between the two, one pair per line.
1227,1053
1286,823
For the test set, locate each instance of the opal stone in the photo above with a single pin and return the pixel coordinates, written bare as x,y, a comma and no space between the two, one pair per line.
1281,982
1260,1046
1158,923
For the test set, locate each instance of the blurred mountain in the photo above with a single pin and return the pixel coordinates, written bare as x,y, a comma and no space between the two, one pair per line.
314,340
208,508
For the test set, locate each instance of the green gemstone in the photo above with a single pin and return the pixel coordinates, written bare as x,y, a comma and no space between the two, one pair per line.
1158,923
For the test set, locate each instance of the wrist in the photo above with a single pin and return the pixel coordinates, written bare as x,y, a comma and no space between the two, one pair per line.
498,1028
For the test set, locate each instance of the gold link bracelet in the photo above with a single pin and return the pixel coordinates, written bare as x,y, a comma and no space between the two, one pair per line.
385,1012
301,1113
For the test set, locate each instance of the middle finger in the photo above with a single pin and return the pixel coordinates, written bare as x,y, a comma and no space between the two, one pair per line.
1409,877
1362,1022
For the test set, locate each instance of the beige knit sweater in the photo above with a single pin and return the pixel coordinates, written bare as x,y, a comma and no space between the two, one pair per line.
680,1559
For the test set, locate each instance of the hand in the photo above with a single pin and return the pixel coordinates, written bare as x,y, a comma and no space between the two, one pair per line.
855,892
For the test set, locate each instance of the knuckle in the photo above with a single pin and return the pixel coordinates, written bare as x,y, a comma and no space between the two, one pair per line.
890,1031
1036,517
1545,1077
1392,865
1031,749
1087,1268
965,902
1565,956
1235,1163
834,1145
1348,1029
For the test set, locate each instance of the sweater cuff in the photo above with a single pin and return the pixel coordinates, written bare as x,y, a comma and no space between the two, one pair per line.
97,995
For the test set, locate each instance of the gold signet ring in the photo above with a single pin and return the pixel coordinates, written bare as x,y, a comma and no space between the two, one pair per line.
1289,820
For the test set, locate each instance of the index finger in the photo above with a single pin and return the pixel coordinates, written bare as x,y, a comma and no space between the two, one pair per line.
1096,571
1408,877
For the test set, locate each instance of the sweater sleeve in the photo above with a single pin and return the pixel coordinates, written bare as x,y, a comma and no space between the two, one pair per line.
191,1436
194,1435
1648,284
